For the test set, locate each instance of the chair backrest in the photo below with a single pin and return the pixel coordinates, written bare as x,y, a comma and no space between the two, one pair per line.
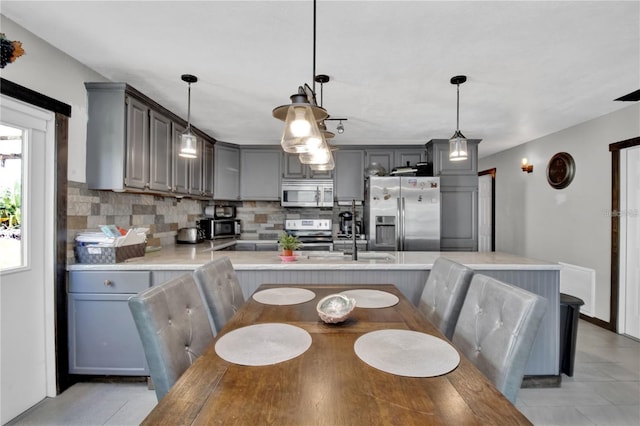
443,294
496,329
221,290
174,328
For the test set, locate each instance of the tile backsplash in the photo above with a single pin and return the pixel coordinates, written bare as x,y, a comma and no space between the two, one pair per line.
88,209
260,220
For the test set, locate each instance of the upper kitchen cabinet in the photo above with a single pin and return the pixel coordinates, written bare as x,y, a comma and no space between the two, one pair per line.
392,158
208,168
160,149
383,157
227,172
404,157
131,143
260,173
294,169
192,176
438,154
349,175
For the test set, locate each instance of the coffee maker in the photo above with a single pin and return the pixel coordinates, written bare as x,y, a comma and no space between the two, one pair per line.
347,224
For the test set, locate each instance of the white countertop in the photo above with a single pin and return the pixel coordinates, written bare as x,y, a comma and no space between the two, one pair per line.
190,256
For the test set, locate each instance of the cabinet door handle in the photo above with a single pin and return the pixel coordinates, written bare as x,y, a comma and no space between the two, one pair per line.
108,283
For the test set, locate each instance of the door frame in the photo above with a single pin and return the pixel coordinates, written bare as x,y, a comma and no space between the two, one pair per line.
614,301
492,172
62,113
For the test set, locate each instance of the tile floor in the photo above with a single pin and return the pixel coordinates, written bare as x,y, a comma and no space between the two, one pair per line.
604,390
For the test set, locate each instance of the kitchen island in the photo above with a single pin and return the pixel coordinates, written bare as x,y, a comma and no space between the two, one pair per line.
407,270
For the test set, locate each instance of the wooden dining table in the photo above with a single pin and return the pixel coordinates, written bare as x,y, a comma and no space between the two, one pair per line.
328,384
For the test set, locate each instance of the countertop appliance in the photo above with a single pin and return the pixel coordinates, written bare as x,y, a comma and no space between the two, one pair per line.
314,234
218,228
307,193
220,212
191,235
403,213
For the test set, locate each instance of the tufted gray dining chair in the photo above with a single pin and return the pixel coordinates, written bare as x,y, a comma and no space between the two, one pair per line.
221,290
496,329
443,294
173,325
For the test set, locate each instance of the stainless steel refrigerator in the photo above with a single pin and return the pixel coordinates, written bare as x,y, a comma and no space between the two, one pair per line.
403,213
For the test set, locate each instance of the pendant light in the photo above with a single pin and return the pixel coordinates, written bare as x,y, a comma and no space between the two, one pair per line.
188,141
302,134
458,143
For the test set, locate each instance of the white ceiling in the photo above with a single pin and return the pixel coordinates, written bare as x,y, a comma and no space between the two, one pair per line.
533,67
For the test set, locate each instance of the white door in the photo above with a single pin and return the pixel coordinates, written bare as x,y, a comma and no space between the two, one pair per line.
27,350
630,242
485,219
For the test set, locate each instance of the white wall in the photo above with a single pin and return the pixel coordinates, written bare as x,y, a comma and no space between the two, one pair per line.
570,225
53,73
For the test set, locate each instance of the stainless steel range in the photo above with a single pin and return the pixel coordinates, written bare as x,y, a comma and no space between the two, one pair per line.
314,234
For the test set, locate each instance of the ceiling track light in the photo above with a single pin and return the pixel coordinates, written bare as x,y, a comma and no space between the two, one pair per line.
188,141
457,142
340,126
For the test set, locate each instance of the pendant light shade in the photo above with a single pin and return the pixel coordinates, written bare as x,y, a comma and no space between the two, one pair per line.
301,132
188,141
457,142
320,154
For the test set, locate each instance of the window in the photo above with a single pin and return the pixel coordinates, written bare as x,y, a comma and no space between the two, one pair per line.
11,176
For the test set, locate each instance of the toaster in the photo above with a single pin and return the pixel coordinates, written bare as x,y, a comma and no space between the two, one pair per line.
190,235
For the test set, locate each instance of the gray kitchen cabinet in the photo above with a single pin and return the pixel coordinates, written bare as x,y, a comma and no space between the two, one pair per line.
459,216
349,175
227,172
131,143
458,195
160,150
384,158
438,154
137,148
208,169
392,158
410,157
195,170
103,338
294,169
244,246
260,173
180,164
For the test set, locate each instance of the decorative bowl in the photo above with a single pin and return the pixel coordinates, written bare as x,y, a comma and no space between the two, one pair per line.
335,308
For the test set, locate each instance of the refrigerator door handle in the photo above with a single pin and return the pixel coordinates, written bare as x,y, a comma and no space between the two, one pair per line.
402,218
398,226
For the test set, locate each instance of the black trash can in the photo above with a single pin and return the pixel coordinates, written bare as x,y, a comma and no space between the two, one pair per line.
569,316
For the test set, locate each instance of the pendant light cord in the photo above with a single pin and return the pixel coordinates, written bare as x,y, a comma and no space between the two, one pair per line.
458,109
189,109
313,77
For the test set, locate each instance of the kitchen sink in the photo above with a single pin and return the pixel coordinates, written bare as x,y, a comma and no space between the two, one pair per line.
339,255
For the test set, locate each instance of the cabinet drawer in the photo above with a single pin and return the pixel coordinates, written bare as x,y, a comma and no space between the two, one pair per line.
109,281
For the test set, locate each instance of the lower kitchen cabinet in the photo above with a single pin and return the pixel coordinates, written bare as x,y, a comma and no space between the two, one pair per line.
103,339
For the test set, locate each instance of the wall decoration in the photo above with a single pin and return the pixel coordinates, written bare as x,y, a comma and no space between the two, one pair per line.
10,50
560,170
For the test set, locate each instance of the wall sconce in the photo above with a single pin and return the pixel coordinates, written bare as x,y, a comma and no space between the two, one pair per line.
526,167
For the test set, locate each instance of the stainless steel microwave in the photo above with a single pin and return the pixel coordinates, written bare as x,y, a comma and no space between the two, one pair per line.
307,193
218,228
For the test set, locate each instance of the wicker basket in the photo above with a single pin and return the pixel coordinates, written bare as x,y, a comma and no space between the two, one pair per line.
93,254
